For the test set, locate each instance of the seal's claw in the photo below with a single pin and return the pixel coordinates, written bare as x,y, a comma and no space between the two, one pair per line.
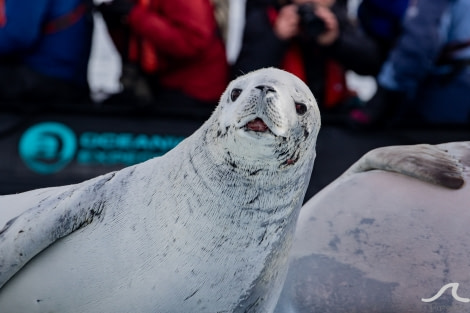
424,162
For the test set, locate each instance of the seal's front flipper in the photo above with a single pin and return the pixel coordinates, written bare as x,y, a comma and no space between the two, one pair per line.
29,233
424,162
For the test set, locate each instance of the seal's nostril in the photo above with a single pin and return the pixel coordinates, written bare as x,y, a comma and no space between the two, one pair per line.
265,88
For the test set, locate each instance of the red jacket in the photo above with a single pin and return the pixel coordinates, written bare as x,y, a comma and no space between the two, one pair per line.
190,54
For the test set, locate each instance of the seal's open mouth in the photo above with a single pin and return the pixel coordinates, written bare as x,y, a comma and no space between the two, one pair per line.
257,125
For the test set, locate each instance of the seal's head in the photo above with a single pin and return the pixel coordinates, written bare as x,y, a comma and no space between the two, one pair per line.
268,115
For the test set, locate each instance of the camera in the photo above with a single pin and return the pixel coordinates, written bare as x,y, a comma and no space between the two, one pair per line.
312,26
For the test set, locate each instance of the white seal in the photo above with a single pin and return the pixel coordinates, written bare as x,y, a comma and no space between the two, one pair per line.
205,228
384,241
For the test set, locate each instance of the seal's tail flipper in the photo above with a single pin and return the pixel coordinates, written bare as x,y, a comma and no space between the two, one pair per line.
424,162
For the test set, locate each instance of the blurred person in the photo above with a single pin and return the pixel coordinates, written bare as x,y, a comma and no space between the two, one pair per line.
173,53
382,20
426,77
44,51
313,39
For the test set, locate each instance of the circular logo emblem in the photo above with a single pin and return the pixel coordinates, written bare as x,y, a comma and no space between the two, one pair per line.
48,147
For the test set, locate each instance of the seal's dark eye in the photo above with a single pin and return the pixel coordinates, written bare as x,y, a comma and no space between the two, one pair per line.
236,92
300,108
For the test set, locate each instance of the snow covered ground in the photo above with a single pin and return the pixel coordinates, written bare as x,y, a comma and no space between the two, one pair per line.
104,65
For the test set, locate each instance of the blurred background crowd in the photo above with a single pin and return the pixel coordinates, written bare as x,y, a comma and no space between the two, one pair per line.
176,57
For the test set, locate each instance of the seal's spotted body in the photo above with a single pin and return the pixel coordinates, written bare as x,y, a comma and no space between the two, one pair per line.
205,228
377,241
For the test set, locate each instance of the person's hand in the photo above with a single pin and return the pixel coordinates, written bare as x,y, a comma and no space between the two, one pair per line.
332,30
116,10
286,25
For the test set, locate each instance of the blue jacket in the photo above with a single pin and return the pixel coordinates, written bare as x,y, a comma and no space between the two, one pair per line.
429,26
62,52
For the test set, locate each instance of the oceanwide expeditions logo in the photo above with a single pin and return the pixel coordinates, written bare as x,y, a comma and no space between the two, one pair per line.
453,287
48,147
442,300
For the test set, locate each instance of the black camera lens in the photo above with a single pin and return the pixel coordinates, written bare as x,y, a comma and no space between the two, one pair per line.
312,26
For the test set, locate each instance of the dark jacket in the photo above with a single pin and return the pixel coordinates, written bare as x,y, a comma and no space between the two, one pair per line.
430,62
31,35
261,48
